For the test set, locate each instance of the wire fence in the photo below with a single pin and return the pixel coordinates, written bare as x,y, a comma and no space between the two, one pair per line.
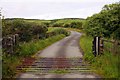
112,46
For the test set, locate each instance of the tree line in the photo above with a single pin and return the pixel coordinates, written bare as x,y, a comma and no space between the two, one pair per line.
25,30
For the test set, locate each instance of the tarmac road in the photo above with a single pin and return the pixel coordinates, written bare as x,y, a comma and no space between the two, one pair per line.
65,48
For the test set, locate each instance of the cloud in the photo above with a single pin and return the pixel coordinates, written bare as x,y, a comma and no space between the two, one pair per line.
50,9
59,0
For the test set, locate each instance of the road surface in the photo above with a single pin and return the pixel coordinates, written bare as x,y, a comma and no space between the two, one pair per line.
67,47
64,54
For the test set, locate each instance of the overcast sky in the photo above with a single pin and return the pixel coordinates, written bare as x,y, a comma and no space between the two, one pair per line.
52,9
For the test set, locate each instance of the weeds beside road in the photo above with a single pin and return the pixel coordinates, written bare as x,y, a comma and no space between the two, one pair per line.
106,65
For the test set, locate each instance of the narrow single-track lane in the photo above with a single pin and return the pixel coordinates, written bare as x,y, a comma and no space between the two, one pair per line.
63,56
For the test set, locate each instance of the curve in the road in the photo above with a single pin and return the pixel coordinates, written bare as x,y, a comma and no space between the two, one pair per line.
64,55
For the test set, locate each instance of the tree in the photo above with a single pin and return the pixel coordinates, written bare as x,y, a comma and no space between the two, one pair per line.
105,23
39,30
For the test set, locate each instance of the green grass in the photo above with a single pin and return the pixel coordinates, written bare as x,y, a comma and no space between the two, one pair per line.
9,65
62,71
86,45
105,65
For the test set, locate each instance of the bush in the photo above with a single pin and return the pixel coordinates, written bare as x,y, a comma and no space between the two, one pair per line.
39,30
66,25
61,31
77,25
57,24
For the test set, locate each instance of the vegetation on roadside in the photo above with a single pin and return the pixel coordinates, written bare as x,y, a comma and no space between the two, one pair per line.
9,64
104,24
86,45
25,50
58,30
106,65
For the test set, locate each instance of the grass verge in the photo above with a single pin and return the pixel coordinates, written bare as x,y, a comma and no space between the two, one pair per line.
30,48
105,65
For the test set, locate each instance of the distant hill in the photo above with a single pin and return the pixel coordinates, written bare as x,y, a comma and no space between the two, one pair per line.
44,19
69,19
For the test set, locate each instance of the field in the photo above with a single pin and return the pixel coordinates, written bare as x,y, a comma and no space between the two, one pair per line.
38,21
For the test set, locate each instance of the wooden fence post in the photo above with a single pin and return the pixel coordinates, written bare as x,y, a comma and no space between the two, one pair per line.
94,46
16,41
97,46
9,44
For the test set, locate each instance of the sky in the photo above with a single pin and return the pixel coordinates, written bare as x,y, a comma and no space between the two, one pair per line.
51,9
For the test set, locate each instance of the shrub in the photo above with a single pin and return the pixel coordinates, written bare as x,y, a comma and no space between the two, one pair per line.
61,31
39,30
